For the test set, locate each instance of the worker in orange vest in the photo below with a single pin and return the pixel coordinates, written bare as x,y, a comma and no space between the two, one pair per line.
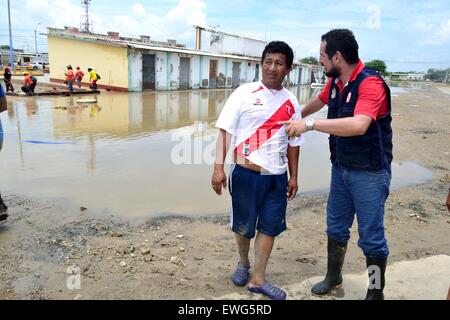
29,83
70,77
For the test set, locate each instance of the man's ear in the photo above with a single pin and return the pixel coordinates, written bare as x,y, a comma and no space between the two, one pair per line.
338,56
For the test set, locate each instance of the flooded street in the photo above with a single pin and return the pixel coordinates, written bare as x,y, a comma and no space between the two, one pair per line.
122,154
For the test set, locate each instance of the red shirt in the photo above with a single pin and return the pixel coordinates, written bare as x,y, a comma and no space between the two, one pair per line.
27,80
79,74
372,100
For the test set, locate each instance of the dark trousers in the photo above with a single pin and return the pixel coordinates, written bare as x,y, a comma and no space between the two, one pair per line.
8,85
29,88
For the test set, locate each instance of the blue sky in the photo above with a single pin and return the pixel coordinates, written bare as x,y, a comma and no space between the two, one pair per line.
408,35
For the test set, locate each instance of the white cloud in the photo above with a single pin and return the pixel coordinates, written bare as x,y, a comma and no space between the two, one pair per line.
134,21
175,24
440,35
444,31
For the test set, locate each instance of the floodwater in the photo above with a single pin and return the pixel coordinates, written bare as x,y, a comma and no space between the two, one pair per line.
136,155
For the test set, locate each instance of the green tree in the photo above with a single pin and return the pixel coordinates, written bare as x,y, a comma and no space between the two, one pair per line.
436,74
309,60
377,65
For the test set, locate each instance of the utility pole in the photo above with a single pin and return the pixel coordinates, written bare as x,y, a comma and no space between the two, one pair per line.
35,38
11,51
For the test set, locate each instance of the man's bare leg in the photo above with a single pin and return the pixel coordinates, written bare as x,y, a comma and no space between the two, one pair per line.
263,248
243,247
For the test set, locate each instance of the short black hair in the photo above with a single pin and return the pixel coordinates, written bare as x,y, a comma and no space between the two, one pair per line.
344,41
279,47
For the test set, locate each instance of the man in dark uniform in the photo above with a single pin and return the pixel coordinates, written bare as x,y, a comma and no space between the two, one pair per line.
359,124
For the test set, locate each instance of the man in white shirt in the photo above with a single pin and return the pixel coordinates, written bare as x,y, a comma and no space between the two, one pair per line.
262,153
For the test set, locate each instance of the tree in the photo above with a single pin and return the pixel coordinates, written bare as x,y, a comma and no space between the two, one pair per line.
309,60
437,75
377,65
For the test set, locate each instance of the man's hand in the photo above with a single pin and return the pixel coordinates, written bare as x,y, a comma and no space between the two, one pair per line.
292,188
218,180
294,127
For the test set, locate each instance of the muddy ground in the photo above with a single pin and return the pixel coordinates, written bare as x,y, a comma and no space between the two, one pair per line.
146,260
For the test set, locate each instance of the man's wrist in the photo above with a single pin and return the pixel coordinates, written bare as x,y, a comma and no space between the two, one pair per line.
218,166
309,123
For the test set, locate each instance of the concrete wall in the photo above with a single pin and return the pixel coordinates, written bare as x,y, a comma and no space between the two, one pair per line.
135,70
109,61
236,45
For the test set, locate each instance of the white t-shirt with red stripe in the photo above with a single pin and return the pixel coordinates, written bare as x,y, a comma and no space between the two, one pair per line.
251,115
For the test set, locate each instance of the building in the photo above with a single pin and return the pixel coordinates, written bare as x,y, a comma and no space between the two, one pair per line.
129,64
22,57
407,76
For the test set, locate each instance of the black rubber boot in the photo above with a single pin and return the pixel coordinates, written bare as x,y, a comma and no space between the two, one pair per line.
376,285
333,279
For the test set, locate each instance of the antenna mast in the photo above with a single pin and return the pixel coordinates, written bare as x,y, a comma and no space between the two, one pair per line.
86,25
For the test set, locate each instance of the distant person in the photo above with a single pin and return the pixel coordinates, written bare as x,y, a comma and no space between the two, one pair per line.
29,83
93,77
360,141
70,77
7,77
3,107
79,76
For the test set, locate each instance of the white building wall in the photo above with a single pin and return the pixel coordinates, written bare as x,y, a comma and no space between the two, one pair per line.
167,70
195,74
204,71
174,71
243,75
236,45
134,70
161,71
251,71
221,72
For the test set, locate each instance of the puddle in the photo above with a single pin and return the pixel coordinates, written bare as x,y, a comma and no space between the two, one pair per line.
117,155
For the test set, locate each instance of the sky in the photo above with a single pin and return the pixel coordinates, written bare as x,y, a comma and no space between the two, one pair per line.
408,35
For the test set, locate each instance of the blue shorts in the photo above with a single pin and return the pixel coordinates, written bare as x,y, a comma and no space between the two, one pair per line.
258,201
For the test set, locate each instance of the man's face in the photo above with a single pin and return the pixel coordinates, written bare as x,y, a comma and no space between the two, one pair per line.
274,70
330,67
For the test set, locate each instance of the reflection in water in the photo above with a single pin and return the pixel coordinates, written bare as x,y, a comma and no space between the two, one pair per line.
122,155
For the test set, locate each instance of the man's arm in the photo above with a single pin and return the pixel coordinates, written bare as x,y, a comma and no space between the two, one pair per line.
344,127
219,178
293,155
312,107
